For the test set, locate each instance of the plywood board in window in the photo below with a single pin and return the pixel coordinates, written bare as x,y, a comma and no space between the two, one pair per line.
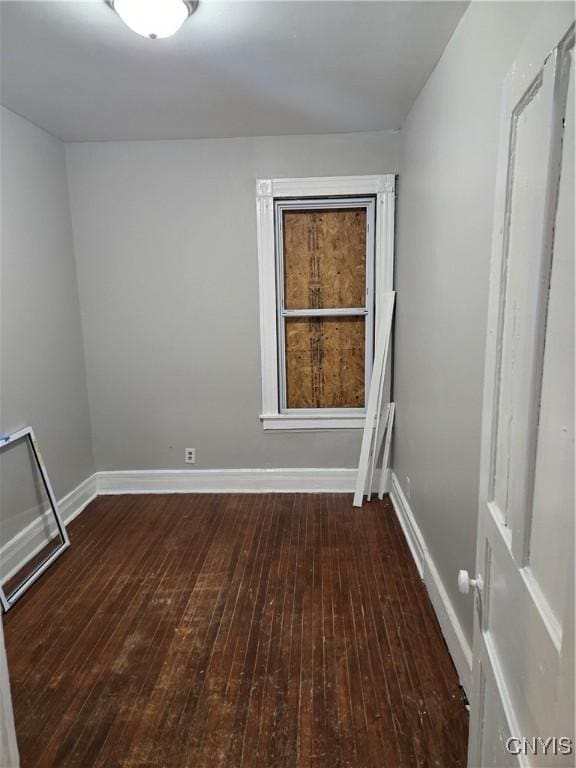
324,258
325,362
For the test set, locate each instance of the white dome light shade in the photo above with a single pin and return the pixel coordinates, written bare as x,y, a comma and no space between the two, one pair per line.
153,18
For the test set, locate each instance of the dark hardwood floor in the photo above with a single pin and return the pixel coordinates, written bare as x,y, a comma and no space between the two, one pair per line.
243,630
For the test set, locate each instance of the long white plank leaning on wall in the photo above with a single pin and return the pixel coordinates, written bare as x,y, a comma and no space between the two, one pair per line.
373,432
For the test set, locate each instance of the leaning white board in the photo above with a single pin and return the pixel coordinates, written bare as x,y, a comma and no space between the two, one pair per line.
386,455
374,407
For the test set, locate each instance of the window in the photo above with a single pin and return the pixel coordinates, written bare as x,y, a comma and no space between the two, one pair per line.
325,299
325,251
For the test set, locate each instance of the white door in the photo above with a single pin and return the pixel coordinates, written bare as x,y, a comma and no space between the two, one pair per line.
522,707
8,749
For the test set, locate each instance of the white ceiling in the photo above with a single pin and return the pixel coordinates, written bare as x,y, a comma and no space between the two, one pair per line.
234,69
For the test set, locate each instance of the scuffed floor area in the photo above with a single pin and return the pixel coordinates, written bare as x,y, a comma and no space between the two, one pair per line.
234,630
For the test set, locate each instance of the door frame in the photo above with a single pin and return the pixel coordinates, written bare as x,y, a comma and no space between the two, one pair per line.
8,746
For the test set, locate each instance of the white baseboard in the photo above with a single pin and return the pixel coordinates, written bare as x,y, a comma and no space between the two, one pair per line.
229,481
78,499
456,640
30,540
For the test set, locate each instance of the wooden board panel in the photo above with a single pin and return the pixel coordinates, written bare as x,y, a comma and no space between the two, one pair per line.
324,258
325,362
259,631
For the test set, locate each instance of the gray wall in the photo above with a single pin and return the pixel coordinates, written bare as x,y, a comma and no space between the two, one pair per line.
445,208
42,370
165,240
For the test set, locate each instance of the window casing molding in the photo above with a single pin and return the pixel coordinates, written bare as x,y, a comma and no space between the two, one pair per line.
267,191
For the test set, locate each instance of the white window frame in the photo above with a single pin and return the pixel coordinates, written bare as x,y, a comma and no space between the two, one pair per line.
268,192
8,598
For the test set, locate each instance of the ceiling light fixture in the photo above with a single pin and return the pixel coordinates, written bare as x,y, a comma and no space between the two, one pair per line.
154,18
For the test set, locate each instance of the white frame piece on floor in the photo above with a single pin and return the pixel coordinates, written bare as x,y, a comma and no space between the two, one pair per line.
27,434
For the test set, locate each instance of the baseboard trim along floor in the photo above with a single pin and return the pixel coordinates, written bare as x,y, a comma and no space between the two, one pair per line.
306,480
456,640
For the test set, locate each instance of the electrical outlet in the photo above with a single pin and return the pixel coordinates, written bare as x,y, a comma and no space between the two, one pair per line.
190,456
408,487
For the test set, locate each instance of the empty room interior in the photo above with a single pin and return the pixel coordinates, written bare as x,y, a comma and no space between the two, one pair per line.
286,362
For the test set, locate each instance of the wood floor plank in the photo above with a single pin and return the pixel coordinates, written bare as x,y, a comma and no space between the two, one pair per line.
233,631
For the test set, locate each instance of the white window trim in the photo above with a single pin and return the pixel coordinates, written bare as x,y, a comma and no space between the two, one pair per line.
383,187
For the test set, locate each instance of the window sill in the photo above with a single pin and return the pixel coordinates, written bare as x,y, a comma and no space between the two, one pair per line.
286,421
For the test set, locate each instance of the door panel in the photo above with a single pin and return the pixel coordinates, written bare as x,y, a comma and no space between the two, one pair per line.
525,223
523,636
521,642
496,727
553,510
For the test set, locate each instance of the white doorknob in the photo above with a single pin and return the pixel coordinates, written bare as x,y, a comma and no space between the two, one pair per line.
465,582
